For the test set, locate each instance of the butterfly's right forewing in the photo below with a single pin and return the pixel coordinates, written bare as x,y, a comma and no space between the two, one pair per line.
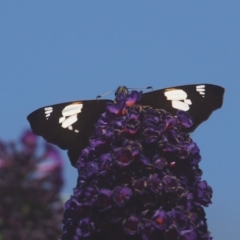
199,100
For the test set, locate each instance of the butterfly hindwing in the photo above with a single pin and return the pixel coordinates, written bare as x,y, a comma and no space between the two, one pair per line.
198,100
68,125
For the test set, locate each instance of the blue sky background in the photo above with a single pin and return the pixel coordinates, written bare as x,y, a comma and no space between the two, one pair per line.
57,51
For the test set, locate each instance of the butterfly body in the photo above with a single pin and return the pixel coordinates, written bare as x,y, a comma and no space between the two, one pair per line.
69,125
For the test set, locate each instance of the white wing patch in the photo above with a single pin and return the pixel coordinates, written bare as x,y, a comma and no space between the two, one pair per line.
70,115
178,98
48,111
201,90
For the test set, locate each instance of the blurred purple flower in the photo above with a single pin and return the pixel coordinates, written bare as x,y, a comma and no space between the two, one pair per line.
139,179
30,184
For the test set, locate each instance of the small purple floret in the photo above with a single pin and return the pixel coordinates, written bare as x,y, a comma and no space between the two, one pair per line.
160,220
184,119
121,195
84,228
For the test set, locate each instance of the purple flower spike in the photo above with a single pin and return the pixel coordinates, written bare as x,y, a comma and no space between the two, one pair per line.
139,178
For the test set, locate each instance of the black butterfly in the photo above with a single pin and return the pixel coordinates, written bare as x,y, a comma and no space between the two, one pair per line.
69,125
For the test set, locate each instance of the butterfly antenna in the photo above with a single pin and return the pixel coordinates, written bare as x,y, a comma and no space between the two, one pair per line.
100,96
149,87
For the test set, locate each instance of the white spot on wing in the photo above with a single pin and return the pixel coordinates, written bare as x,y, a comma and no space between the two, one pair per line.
200,86
180,105
188,101
175,94
70,116
48,111
201,90
69,121
61,119
179,100
72,109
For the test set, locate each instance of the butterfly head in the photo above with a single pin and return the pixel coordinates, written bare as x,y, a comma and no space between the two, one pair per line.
121,92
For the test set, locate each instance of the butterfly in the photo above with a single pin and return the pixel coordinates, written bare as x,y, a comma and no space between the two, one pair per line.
69,125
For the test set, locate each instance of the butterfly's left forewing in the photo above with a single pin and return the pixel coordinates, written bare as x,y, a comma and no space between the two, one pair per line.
68,125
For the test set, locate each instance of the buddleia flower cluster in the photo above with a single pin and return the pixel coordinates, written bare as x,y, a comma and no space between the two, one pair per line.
139,178
30,184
